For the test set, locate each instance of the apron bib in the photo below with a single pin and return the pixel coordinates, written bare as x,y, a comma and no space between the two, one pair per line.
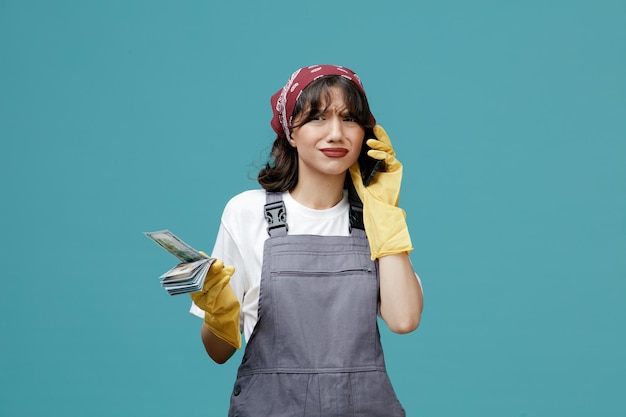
315,350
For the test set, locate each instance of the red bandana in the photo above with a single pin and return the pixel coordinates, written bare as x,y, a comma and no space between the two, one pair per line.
285,99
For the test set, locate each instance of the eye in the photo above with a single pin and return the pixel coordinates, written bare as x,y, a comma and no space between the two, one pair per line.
316,116
349,118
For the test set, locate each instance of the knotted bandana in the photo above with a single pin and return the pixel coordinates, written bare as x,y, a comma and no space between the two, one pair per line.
284,101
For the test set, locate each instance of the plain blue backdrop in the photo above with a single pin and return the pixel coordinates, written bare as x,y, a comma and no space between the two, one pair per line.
119,117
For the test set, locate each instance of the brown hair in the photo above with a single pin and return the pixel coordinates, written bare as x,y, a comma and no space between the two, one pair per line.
281,171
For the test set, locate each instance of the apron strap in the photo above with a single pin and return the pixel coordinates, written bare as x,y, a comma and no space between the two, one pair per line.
275,215
356,209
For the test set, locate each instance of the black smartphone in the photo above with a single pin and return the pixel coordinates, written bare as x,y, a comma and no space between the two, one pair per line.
369,166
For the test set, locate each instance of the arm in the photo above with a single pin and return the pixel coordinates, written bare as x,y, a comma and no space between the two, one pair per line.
388,236
401,301
217,349
221,312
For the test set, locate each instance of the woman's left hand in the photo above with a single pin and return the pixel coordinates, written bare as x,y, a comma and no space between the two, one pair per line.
384,221
386,184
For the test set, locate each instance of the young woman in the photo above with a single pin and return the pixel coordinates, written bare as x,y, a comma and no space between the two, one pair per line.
315,257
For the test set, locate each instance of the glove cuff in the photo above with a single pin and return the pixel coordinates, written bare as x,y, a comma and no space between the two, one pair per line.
387,232
223,318
226,329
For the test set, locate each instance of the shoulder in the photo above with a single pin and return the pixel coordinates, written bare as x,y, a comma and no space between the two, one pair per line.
244,212
246,202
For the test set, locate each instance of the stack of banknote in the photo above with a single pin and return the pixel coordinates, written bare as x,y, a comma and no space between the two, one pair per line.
187,276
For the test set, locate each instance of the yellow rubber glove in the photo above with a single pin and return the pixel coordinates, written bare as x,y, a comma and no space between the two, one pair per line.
220,304
384,221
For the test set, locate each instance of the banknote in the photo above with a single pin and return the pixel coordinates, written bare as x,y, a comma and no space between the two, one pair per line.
174,245
187,276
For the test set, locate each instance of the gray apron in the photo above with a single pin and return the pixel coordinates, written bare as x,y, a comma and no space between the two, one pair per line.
315,349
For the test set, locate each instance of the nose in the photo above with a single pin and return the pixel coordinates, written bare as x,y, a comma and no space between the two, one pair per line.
335,129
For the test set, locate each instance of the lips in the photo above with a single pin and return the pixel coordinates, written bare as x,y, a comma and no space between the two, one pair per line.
334,152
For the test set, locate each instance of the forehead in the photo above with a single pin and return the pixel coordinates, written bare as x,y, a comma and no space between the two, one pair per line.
331,97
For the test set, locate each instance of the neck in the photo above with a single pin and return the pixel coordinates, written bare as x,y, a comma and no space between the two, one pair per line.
319,194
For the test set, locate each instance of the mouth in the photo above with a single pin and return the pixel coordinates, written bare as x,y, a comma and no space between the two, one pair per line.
334,152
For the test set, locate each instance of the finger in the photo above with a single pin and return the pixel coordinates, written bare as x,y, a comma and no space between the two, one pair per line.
391,163
224,281
217,265
229,270
381,134
204,254
378,145
377,155
383,138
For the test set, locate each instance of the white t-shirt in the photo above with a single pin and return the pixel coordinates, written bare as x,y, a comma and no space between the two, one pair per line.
243,231
242,234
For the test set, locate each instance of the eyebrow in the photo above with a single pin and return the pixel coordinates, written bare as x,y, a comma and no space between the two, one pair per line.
343,110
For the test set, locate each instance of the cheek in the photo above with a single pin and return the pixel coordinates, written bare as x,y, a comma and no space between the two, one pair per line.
356,151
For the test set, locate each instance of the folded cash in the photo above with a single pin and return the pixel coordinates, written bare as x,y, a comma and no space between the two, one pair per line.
187,276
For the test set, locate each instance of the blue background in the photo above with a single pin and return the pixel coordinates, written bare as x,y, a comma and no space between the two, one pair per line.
119,117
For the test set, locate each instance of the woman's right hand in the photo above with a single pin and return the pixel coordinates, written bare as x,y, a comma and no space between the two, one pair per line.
220,303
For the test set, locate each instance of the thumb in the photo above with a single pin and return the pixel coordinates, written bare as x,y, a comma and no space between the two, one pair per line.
216,266
357,180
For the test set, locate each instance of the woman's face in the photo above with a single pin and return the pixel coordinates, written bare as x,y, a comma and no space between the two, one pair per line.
331,142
